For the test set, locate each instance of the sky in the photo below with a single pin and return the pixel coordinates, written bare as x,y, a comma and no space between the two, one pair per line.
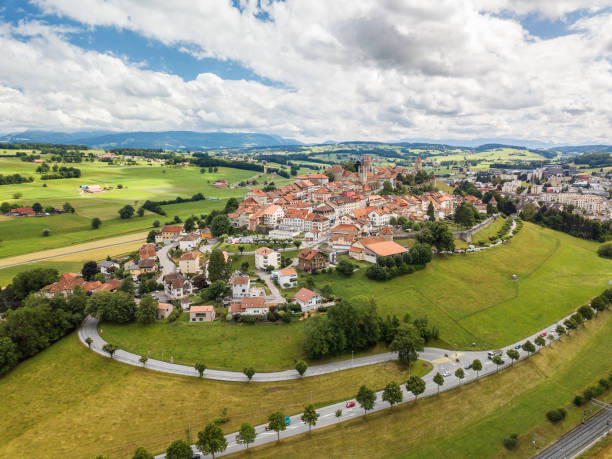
312,70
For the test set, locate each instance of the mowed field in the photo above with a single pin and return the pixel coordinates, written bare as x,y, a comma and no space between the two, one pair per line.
471,298
70,402
141,182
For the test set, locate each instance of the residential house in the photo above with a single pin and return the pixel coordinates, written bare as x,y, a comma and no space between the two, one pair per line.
241,285
107,267
176,286
189,263
264,257
168,233
189,242
287,278
311,260
164,310
201,314
147,266
147,251
254,306
22,212
370,249
307,299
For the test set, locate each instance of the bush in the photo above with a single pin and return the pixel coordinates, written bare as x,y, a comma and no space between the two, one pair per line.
245,319
579,400
46,232
174,315
605,250
556,415
510,442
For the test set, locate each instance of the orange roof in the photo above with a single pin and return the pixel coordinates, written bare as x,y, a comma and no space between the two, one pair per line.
190,256
305,295
386,248
172,229
253,302
201,309
264,251
164,306
240,280
288,272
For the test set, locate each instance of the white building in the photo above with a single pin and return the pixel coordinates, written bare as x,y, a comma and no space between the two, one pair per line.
264,257
307,299
241,286
189,242
287,278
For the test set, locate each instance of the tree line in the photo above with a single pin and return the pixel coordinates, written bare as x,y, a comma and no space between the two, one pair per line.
406,263
14,179
205,160
568,222
62,173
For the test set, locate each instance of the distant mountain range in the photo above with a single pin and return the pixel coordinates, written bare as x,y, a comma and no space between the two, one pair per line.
170,140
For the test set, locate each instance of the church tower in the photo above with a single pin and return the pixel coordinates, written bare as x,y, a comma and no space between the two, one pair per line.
418,167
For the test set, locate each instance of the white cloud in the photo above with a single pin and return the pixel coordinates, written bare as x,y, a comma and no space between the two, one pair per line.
350,70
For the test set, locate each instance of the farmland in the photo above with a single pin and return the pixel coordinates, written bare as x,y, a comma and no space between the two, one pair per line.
471,298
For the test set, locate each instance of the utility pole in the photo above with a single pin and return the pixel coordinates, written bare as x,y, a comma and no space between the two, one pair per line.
352,355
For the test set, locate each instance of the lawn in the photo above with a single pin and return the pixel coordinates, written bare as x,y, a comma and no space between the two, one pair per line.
69,402
471,298
472,421
483,234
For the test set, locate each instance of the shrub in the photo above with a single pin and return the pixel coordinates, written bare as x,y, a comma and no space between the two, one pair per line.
556,415
579,400
605,250
174,315
245,319
46,232
510,442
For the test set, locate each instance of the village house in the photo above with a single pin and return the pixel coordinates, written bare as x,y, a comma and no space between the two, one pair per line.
307,299
253,306
189,242
177,286
201,314
108,267
168,233
189,263
311,260
264,257
287,278
370,249
147,266
164,310
22,212
147,251
241,284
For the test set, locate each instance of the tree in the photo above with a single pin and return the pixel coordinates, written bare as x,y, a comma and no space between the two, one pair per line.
249,372
147,310
241,249
309,417
392,393
116,307
246,434
8,355
277,423
513,354
32,281
127,286
216,290
587,312
528,347
459,373
179,449
200,368
497,360
297,243
217,268
415,385
96,223
407,342
560,330
465,215
88,341
110,349
230,206
36,207
220,225
142,453
604,251
151,236
420,254
578,319
68,208
477,366
244,267
143,359
89,270
599,303
126,212
345,267
439,380
539,341
550,338
301,367
366,398
431,212
211,440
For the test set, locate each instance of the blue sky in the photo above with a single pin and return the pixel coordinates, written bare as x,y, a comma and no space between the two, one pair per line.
311,69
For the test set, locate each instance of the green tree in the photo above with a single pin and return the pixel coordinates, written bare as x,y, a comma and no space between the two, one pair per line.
605,250
539,341
460,374
415,385
146,313
466,215
513,354
143,359
211,440
179,449
142,453
220,225
392,393
277,423
216,290
560,330
218,269
497,360
246,434
127,286
89,270
231,206
32,281
96,223
310,416
140,211
36,207
88,341
345,267
249,372
8,355
439,380
126,212
151,236
477,366
366,398
110,349
301,367
431,212
528,347
200,368
407,342
116,307
420,254
68,208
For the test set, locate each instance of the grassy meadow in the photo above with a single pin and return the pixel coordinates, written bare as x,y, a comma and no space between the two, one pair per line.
471,298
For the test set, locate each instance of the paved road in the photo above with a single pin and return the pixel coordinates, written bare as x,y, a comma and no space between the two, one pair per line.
579,439
166,264
275,296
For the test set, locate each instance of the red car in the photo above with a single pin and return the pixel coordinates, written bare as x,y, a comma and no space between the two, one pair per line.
543,334
350,404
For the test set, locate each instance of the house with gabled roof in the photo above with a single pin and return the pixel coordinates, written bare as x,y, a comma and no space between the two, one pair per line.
307,299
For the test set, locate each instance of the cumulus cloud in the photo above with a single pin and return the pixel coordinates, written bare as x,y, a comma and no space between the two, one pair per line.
348,70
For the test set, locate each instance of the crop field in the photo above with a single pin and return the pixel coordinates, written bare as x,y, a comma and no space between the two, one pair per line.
471,298
139,183
70,402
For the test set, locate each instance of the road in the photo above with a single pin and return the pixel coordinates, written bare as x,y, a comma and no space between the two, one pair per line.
580,438
166,264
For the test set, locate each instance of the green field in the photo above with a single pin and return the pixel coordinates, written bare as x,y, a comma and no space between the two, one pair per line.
483,234
472,421
471,298
70,402
141,182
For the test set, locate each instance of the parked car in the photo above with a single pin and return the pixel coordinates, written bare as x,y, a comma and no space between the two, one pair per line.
350,404
543,334
518,346
287,420
446,373
268,427
468,366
